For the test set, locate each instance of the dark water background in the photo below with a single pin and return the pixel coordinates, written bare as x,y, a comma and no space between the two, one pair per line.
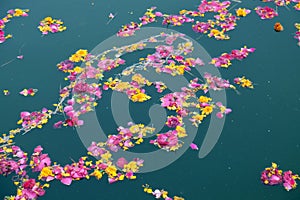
263,127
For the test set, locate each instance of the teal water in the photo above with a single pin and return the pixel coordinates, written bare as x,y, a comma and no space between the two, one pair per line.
263,127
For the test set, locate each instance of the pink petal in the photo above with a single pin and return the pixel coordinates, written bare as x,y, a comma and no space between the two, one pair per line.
66,181
219,115
20,57
194,146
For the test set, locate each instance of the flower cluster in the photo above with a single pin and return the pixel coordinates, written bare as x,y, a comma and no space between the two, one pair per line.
266,12
128,29
15,161
169,141
158,194
81,93
285,3
246,83
51,25
134,89
10,14
128,137
34,119
222,22
28,92
242,12
274,176
225,59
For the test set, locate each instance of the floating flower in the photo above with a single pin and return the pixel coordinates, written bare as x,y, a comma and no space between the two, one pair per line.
246,83
20,57
6,92
266,12
29,92
242,12
51,25
278,27
158,194
273,176
225,59
194,146
10,14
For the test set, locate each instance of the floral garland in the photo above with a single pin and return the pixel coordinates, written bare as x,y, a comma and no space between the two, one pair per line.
10,14
217,27
80,97
160,194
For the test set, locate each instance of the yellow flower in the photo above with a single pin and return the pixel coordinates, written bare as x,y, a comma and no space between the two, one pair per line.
207,110
139,141
180,69
138,78
182,12
140,97
164,194
122,86
131,166
97,174
204,99
18,12
8,36
136,128
46,171
82,52
178,198
121,178
214,32
247,83
48,20
181,132
241,12
198,117
78,70
75,58
111,171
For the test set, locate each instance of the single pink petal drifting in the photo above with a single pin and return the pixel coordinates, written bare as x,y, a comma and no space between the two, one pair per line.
112,180
227,111
158,14
219,115
20,57
58,124
194,146
66,181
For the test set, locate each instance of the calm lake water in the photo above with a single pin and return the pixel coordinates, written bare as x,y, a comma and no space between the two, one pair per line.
263,127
